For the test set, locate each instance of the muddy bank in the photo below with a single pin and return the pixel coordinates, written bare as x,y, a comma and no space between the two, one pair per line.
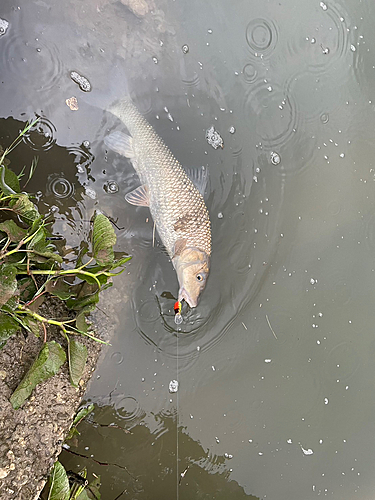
31,437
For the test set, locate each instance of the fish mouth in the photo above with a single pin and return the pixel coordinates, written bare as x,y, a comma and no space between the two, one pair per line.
183,295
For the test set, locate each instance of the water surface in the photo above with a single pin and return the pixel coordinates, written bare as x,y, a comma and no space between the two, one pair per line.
275,367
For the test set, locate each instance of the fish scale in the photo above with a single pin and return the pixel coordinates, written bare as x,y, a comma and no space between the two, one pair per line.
176,205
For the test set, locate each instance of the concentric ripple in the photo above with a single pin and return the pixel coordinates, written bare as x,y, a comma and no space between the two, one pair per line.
59,186
250,73
129,409
191,80
261,36
82,156
35,62
317,95
343,361
273,112
41,137
324,42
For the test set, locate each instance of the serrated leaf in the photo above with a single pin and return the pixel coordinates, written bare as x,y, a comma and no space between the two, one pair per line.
103,239
9,183
77,356
8,283
15,233
24,207
8,327
59,489
46,365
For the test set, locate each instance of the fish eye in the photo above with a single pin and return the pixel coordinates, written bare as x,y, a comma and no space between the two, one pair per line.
200,277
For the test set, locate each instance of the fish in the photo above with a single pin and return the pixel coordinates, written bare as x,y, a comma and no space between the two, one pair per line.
174,196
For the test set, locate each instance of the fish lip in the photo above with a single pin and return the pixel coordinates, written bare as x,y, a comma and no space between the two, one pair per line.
183,295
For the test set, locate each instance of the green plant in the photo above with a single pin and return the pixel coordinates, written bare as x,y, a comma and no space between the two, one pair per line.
31,267
69,486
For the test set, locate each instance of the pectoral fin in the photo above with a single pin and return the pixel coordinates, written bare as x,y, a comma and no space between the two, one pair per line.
120,143
139,197
199,177
179,246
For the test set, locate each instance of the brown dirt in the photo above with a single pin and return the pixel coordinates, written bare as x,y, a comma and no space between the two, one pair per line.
31,437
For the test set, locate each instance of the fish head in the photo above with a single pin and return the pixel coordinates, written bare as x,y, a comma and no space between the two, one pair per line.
192,267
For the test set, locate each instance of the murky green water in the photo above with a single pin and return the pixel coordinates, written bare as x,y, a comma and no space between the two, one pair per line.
276,366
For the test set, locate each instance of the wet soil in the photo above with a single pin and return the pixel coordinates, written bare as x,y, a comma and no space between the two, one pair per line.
32,436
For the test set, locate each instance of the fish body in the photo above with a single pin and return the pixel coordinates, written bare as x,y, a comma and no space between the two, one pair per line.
176,205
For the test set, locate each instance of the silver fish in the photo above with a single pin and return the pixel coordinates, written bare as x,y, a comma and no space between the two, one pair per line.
177,206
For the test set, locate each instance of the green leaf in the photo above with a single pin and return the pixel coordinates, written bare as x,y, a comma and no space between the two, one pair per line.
12,304
77,355
91,492
24,207
32,325
27,288
103,239
81,323
59,288
47,364
15,233
9,183
17,258
119,262
8,327
82,413
8,283
88,302
59,489
38,241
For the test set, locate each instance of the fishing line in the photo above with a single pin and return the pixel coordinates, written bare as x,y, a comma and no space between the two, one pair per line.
178,320
177,424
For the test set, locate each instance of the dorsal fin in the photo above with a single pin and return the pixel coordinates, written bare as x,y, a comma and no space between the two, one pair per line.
121,143
199,177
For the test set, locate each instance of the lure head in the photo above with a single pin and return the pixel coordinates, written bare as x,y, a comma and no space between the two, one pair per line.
192,267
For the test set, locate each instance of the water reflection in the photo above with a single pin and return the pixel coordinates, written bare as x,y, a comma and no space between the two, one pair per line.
150,465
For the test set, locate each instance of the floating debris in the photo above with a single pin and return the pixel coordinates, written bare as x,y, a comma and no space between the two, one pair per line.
111,187
3,26
72,103
90,192
309,451
275,158
82,81
232,130
185,48
214,138
173,386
